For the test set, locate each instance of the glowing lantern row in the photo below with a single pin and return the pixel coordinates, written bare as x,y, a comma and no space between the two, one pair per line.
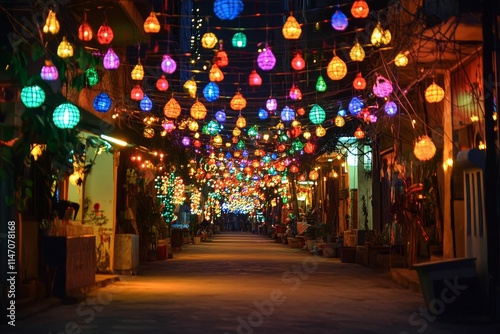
32,96
266,59
65,49
254,79
291,29
336,69
241,122
198,110
162,84
49,71
287,114
51,24
111,60
66,116
239,40
168,65
146,104
382,87
380,36
401,59
172,109
360,9
359,133
190,86
424,148
105,34
209,40
152,25
298,63
357,52
317,114
320,84
238,102
138,71
271,104
434,93
359,82
102,102
295,93
339,20
220,116
215,74
136,93
228,9
211,92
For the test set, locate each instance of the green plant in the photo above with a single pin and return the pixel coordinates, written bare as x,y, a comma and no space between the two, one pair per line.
311,232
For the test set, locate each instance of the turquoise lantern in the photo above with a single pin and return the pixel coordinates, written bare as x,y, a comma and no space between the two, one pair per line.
339,20
239,40
266,159
213,127
102,102
146,104
317,114
228,9
287,114
355,106
341,112
263,114
211,91
66,116
32,96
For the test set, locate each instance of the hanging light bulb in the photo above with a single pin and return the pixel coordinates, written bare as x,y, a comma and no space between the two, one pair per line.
390,108
191,87
138,71
241,122
291,29
236,132
317,114
298,63
152,25
32,96
382,87
320,84
220,116
339,121
287,114
424,148
146,104
359,133
172,109
65,49
228,9
198,110
51,23
211,91
359,82
357,53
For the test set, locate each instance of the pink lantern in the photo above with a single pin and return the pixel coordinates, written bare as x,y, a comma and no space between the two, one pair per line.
295,93
298,63
168,125
382,87
49,71
111,60
254,79
271,104
186,141
168,65
266,59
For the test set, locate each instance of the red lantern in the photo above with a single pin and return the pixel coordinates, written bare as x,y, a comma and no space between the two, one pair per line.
105,34
295,93
136,93
85,31
221,56
301,111
294,169
309,148
295,132
254,79
360,9
359,82
298,63
197,143
162,84
281,147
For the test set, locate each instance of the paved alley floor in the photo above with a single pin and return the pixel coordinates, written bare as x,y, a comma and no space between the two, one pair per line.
244,283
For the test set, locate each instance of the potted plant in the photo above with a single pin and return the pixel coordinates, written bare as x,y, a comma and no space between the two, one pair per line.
311,235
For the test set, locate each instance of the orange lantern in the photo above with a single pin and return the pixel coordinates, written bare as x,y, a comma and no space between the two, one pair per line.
198,110
359,82
291,29
162,84
320,131
85,32
241,122
197,143
360,9
336,69
152,25
136,93
302,177
236,134
298,63
215,74
238,102
172,109
424,148
105,34
254,79
313,175
301,111
281,147
294,169
309,148
295,132
359,133
221,56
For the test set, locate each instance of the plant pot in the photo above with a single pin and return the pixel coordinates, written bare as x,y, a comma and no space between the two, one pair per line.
300,242
310,244
196,240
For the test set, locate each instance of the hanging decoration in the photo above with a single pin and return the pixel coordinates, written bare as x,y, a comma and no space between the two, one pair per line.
355,106
193,126
220,116
162,84
221,56
237,131
291,29
317,114
434,93
213,127
238,102
208,40
138,71
321,84
357,52
239,40
152,25
298,63
198,110
380,36
313,175
191,87
217,140
359,133
85,33
211,92
172,109
102,102
390,108
309,147
287,114
228,9
339,121
360,9
49,71
339,20
215,74
271,104
241,122
111,60
320,131
91,76
401,59
359,82
136,93
263,114
168,65
105,34
65,49
148,132
424,148
51,23
266,59
295,93
254,79
32,96
146,104
341,112
66,116
382,87
336,69
186,141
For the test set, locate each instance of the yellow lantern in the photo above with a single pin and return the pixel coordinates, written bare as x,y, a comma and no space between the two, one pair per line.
209,40
152,25
339,121
320,131
193,125
401,59
198,110
424,148
215,74
238,102
138,71
291,29
190,86
357,53
241,122
236,132
434,93
65,49
307,135
380,36
313,175
51,23
172,109
217,140
336,69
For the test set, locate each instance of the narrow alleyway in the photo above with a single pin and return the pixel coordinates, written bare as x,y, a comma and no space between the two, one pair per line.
244,283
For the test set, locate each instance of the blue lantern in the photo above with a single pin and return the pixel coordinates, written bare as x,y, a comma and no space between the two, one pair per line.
287,114
339,20
391,108
102,102
274,156
228,155
263,114
355,106
146,104
66,116
228,9
211,91
244,153
341,112
220,116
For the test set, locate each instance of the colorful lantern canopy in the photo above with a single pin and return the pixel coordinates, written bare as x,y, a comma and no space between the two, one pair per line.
317,114
339,20
401,59
239,40
434,93
198,110
254,79
32,96
298,63
355,106
321,84
263,114
49,71
271,104
390,108
190,86
380,36
85,32
359,133
209,40
152,25
291,29
320,131
382,87
228,9
360,9
111,60
162,84
295,93
105,34
138,71
66,116
266,59
168,65
287,114
359,82
172,109
211,92
238,102
336,69
51,24
65,49
136,93
91,76
102,102
313,175
220,116
241,122
424,148
215,74
357,53
146,104
339,121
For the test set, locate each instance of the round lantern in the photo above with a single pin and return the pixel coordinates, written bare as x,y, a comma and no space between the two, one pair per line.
263,114
317,114
228,9
298,63
359,133
357,53
197,143
382,87
342,112
253,131
193,125
213,127
172,109
320,84
152,25
254,79
360,9
208,40
211,92
136,93
146,104
424,148
91,76
295,93
238,102
85,32
313,175
294,169
297,145
236,132
291,29
162,84
241,122
271,104
32,96
391,108
239,40
138,72
309,148
49,71
66,116
186,141
339,121
111,60
320,131
221,57
359,82
401,59
266,59
220,116
102,102
355,106
168,126
434,93
336,69
215,74
307,135
339,20
287,114
301,111
380,36
168,65
190,86
65,49
217,140
198,110
51,24
105,34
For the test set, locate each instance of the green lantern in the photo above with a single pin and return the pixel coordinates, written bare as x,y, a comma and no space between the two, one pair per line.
92,76
297,145
253,132
241,144
320,84
204,130
32,96
283,137
66,116
317,114
239,40
240,176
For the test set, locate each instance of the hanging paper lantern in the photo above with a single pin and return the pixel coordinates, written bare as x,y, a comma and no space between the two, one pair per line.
301,111
190,86
359,133
213,127
360,9
253,131
220,116
336,69
111,60
320,131
294,169
239,40
317,114
221,56
85,32
208,40
236,132
291,29
287,114
359,82
217,141
254,79
266,59
424,148
186,141
298,63
92,76
341,112
238,102
382,87
271,104
168,65
168,126
241,144
401,59
339,121
65,49
263,114
146,104
295,131
380,36
198,110
152,25
211,92
105,34
309,148
355,106
313,175
136,93
193,125
295,93
49,71
66,116
51,24
357,53
320,84
241,122
102,102
434,93
162,84
32,96
215,74
391,108
339,20
138,71
228,9
307,135
172,109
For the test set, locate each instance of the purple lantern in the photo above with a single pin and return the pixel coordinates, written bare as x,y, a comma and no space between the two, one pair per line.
49,71
339,20
287,114
391,108
111,60
382,87
168,65
271,104
220,116
266,59
186,141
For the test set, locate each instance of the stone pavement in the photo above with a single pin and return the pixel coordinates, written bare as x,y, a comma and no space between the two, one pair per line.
244,283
